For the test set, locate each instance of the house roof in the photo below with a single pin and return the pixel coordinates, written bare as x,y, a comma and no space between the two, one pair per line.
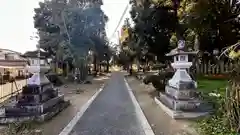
34,54
9,51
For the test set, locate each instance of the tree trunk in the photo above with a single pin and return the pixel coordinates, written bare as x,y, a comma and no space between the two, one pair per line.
95,63
100,67
107,66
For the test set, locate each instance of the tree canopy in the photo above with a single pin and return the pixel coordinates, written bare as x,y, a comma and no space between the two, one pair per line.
204,25
153,28
67,29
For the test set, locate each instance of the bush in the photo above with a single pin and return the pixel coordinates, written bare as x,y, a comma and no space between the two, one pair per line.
159,66
217,122
154,79
158,85
214,125
147,79
158,81
55,79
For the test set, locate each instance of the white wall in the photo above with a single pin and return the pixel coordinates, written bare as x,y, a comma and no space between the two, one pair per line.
35,62
2,56
15,56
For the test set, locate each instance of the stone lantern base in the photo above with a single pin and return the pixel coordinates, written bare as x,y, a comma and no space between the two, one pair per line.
182,101
164,102
181,114
38,101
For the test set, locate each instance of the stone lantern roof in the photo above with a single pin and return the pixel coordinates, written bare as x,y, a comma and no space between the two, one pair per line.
177,51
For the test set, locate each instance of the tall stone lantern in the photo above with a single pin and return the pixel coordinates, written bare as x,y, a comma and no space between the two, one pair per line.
180,98
39,99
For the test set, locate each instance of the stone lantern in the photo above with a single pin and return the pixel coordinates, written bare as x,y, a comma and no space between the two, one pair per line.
39,99
180,99
181,65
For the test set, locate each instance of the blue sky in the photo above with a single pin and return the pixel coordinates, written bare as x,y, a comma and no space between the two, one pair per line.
17,22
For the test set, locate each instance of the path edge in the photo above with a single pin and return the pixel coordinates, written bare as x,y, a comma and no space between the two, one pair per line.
67,130
144,122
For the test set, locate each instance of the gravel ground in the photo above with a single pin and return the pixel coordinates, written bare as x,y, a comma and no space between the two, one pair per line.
160,122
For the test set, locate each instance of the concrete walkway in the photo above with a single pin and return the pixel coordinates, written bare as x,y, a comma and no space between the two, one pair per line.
112,112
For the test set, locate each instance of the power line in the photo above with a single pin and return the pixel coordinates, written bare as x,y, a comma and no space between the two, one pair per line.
120,20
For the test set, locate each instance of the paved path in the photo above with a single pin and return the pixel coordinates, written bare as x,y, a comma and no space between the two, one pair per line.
111,113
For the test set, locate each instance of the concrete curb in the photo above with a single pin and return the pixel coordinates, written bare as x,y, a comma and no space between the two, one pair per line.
67,130
144,122
164,108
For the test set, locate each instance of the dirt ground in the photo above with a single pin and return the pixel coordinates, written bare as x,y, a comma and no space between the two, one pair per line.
78,94
160,122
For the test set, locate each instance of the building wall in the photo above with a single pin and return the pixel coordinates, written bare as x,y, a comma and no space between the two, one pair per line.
12,56
1,71
11,61
14,66
2,56
35,62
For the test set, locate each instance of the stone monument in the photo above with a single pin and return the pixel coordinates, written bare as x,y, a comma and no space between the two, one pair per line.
180,99
38,101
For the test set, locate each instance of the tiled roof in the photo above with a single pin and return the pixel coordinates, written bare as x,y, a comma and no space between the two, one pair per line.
9,51
35,53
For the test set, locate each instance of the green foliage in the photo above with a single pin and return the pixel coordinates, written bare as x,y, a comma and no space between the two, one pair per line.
204,24
158,81
227,106
214,125
218,123
215,23
212,85
154,26
68,29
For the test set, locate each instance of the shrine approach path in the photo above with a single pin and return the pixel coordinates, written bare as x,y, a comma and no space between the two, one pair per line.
112,112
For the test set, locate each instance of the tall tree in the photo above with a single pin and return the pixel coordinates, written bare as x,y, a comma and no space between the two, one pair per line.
72,26
154,25
215,22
